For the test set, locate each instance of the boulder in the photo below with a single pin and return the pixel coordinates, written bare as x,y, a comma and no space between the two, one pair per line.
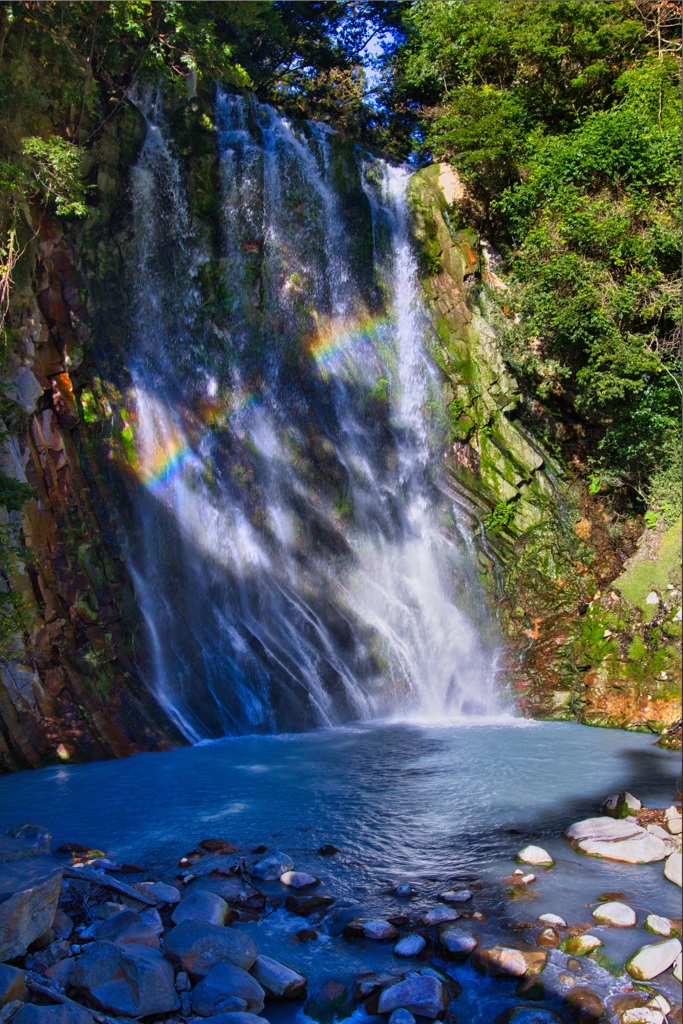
67,1013
581,945
672,868
422,995
535,855
616,840
299,879
440,915
621,805
29,892
130,980
658,925
159,891
619,915
227,988
457,943
12,984
198,947
202,905
304,906
47,957
61,972
278,980
504,961
652,960
410,945
270,868
127,927
62,925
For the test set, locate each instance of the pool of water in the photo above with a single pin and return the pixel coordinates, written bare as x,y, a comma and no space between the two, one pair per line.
430,805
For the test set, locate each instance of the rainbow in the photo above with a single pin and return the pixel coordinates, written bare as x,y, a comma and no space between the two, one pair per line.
341,335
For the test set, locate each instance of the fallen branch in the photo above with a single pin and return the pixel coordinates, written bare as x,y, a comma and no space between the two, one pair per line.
85,875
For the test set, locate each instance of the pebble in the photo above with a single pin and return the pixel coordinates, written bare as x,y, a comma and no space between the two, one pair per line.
456,896
672,819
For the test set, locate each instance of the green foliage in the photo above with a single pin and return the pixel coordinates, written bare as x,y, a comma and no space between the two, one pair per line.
500,516
57,172
13,493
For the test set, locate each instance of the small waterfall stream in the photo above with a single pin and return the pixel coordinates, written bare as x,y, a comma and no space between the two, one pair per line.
296,566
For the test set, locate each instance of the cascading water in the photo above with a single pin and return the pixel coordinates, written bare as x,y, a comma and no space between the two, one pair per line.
296,564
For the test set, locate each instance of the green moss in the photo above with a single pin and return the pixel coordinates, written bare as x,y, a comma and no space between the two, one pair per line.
649,575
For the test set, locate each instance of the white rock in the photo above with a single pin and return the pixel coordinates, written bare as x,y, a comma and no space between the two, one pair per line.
535,855
642,1015
679,614
658,925
652,960
673,868
411,945
298,879
527,879
619,915
660,1002
553,920
581,945
440,915
672,818
678,968
616,840
652,597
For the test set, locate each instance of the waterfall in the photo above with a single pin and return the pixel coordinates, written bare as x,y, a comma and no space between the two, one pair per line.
295,564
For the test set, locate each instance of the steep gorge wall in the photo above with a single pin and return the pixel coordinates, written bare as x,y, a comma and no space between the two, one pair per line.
592,612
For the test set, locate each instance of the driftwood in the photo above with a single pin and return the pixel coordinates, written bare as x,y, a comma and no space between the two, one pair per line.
86,875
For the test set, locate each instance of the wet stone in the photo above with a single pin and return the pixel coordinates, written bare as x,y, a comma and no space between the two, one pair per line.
227,988
299,879
202,905
197,947
304,906
619,915
423,996
272,867
440,915
410,945
585,1005
457,943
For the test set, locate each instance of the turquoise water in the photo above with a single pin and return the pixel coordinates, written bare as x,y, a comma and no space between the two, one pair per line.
434,806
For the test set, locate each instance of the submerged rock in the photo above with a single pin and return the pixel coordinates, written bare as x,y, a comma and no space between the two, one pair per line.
130,980
410,945
304,906
652,960
549,938
535,855
405,889
24,842
528,1015
585,1004
456,896
198,947
401,1016
619,915
227,988
29,892
616,840
237,1017
422,995
270,868
278,980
